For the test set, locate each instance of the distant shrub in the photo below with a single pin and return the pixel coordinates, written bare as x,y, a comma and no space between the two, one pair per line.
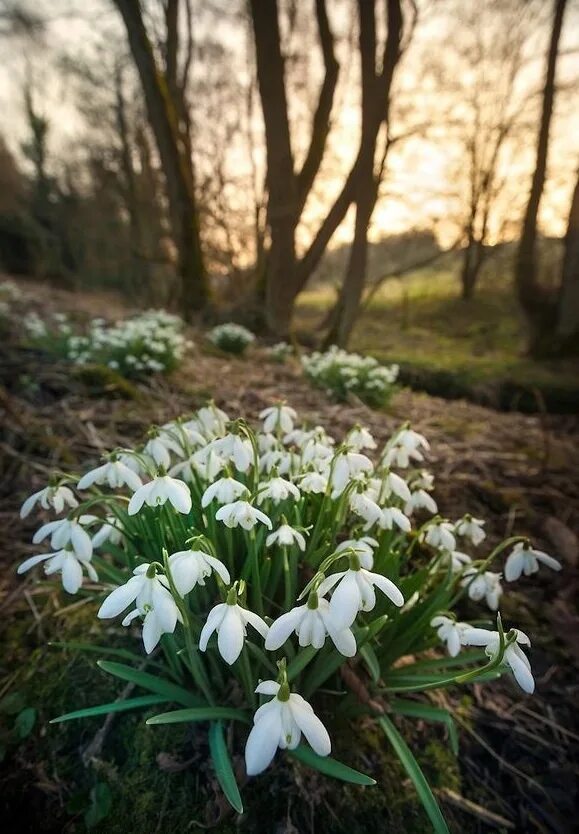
341,373
231,337
280,352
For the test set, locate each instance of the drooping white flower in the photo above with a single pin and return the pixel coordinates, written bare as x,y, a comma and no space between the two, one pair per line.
311,623
362,505
450,632
459,560
313,482
354,592
440,535
348,466
241,514
421,500
191,567
277,490
391,516
471,528
157,492
114,473
68,562
230,621
525,559
153,599
360,438
393,484
286,536
278,417
159,448
405,447
206,464
233,448
211,421
514,656
486,585
56,497
280,723
108,532
363,547
225,491
65,531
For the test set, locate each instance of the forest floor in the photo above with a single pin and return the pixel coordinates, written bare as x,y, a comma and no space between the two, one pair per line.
518,766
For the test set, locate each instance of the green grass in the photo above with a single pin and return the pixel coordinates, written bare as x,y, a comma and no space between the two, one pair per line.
451,347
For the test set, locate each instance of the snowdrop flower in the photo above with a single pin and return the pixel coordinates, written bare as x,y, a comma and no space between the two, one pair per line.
471,528
440,535
153,599
266,442
364,549
157,492
347,466
393,484
459,560
56,497
525,559
313,482
225,490
230,621
514,656
355,592
190,568
280,723
286,536
311,623
114,473
421,500
233,448
391,516
68,562
241,514
360,438
366,508
277,489
278,417
158,448
67,531
108,532
450,632
404,448
212,421
485,586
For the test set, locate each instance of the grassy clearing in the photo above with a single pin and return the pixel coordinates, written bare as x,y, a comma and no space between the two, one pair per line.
451,347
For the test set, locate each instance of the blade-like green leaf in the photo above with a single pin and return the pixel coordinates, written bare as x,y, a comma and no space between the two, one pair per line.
330,767
413,709
179,716
372,664
300,662
413,770
323,668
171,691
223,766
73,645
116,706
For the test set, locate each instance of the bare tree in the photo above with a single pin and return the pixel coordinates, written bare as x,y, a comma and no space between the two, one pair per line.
164,89
567,325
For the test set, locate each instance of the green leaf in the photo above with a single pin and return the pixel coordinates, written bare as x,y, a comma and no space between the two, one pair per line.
413,770
369,657
12,703
413,709
323,668
91,647
101,801
24,723
169,690
179,716
330,767
223,766
300,662
115,706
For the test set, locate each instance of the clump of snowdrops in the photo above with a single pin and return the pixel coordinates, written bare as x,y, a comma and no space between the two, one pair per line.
280,352
341,373
231,337
150,342
266,569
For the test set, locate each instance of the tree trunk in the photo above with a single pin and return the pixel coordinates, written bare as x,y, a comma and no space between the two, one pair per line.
533,299
177,168
567,326
471,266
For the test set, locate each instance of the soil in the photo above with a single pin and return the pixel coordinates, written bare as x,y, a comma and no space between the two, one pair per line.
519,756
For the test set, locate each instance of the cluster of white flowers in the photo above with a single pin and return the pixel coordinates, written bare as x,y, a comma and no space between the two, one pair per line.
280,352
228,535
9,293
341,373
151,342
231,337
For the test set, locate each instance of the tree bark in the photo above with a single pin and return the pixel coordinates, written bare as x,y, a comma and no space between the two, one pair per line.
177,165
567,327
535,302
472,261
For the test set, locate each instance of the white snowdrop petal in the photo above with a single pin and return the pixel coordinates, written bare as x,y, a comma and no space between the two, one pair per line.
262,742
